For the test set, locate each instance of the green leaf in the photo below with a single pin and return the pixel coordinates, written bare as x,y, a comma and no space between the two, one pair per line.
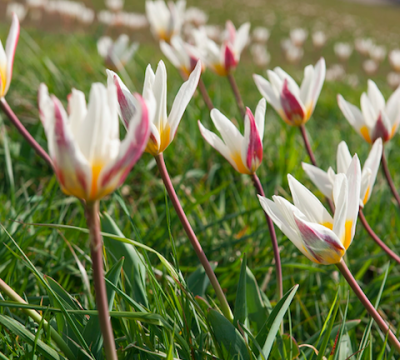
288,342
256,308
339,351
275,318
240,313
330,320
134,268
92,332
16,328
227,337
198,281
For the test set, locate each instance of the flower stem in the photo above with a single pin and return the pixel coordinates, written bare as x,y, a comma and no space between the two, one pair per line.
192,237
22,130
367,304
375,237
312,158
37,318
96,246
236,92
278,267
389,178
204,93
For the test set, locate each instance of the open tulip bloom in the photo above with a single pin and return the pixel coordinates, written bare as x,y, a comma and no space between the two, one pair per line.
294,104
165,21
308,224
164,127
324,181
376,119
244,153
182,55
222,59
7,56
88,156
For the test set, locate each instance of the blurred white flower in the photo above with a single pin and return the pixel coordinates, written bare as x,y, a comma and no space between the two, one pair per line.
294,54
19,9
36,3
133,21
116,54
214,32
352,80
260,34
298,36
370,66
343,50
114,5
394,59
195,16
318,39
286,44
363,46
377,53
335,73
260,55
165,21
393,80
106,17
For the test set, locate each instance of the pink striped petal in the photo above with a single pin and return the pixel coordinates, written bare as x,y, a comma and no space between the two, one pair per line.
131,149
254,148
380,130
293,109
229,56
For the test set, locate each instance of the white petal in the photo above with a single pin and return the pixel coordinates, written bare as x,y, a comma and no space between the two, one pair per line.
340,198
306,84
230,134
242,36
160,93
393,107
182,99
317,83
320,179
77,111
169,52
369,112
351,113
11,45
343,158
308,203
294,88
372,164
266,90
260,117
375,97
148,80
217,144
281,212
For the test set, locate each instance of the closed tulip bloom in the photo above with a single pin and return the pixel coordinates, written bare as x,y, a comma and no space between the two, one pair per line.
324,181
243,152
294,104
222,59
165,21
182,55
376,119
163,127
116,53
89,159
7,56
308,224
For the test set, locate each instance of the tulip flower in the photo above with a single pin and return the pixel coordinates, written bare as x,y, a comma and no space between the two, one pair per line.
244,153
324,181
376,119
223,59
88,157
165,21
308,224
163,128
182,55
298,36
116,54
294,104
7,56
343,50
394,59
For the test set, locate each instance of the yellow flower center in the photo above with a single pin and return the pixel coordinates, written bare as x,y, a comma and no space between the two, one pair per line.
365,133
237,158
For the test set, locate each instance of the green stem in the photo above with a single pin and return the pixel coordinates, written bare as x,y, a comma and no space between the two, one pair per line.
192,237
367,304
36,317
236,92
96,246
